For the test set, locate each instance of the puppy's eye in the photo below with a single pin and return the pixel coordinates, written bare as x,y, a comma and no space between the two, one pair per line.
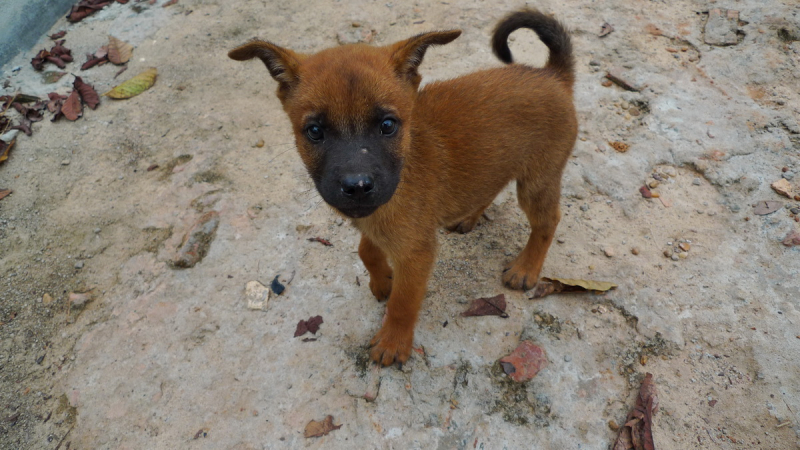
314,132
388,127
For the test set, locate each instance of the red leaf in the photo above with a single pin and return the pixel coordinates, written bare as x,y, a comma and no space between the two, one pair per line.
72,108
312,325
58,35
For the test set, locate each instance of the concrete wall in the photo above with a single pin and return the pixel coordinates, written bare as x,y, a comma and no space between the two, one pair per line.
22,23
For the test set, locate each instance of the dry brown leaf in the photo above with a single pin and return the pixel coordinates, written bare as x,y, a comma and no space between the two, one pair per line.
135,85
5,193
490,306
317,429
547,286
72,108
119,52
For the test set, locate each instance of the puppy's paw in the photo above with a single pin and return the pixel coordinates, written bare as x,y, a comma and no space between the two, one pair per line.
381,286
391,344
515,276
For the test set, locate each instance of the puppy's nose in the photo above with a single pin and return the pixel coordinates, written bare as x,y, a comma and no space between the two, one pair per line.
357,186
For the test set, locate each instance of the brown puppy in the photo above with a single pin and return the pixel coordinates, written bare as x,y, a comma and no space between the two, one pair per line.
402,161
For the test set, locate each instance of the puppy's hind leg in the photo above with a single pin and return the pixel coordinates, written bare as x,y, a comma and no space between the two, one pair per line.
468,223
542,208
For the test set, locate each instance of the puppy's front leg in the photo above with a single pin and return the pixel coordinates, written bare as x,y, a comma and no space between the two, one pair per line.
380,274
411,271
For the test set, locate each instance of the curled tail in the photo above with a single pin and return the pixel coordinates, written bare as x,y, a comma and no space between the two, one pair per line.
554,35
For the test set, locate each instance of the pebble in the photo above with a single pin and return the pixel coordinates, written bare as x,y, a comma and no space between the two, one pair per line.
795,210
65,162
670,171
682,255
96,230
675,256
567,358
696,182
79,265
684,246
653,184
788,175
635,250
196,242
561,240
700,211
584,208
609,252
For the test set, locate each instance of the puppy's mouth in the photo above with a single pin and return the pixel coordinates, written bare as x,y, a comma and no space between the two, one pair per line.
358,212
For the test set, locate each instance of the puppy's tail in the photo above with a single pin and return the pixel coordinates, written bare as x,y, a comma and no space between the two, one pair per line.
554,35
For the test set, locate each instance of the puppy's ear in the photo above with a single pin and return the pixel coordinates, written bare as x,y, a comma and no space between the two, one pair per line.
407,55
282,63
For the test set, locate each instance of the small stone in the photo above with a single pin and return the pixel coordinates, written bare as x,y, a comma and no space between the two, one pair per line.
594,62
784,169
79,265
783,187
197,241
256,295
682,255
653,184
260,143
788,175
65,162
700,211
635,250
96,230
795,210
47,299
613,425
567,358
696,182
684,246
524,362
668,252
561,240
675,256
584,207
609,252
670,172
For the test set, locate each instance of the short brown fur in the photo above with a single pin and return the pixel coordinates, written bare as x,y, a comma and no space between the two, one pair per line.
461,141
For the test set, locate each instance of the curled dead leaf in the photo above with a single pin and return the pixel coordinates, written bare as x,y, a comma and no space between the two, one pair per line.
87,93
547,286
637,433
135,85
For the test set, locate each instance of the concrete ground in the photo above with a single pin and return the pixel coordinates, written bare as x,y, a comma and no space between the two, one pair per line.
154,356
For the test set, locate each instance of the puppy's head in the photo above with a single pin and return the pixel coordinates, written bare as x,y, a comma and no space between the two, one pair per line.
351,110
